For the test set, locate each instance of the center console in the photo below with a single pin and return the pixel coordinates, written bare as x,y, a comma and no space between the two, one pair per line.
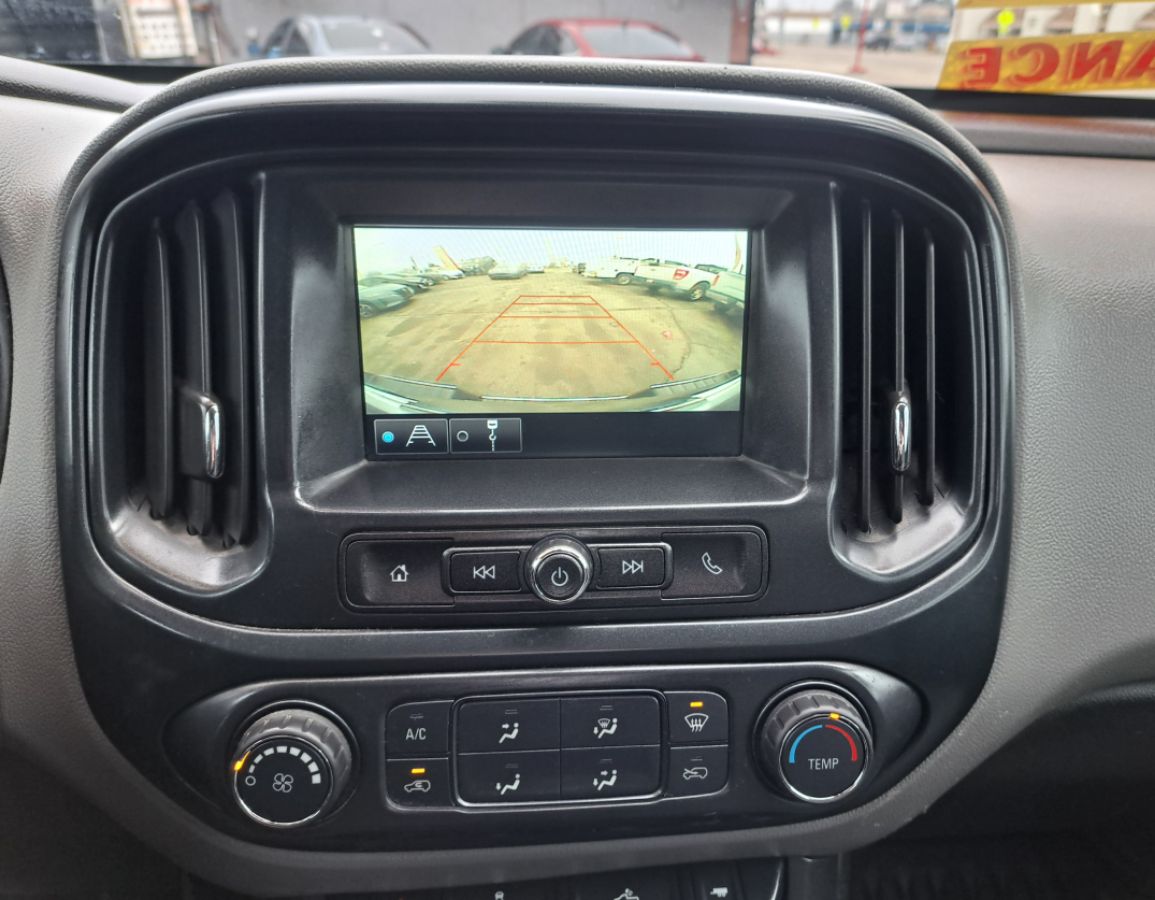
528,466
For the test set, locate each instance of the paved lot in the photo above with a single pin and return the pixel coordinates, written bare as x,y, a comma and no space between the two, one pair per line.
894,68
551,336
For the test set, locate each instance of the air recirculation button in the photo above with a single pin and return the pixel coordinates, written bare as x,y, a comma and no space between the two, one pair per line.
816,745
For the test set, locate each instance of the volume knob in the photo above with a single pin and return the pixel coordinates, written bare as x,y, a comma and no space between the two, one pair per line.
559,569
291,767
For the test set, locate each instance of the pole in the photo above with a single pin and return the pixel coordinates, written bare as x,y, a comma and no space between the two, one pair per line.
858,68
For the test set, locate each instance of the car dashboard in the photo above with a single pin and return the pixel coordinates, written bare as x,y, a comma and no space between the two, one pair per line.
333,570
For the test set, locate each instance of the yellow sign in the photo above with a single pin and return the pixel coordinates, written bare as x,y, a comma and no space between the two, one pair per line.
1019,4
1005,19
1052,64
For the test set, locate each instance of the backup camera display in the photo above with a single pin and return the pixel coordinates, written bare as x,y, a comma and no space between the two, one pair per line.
494,323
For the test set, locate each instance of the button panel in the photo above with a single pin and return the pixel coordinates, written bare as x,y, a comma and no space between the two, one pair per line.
697,718
695,771
604,773
651,884
496,571
418,729
524,777
712,881
564,748
632,567
418,782
385,574
715,565
485,726
561,577
410,437
485,571
610,722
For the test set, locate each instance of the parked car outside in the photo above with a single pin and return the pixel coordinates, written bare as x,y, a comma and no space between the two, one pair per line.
507,271
333,36
417,282
478,265
620,269
669,274
374,300
444,273
728,293
606,38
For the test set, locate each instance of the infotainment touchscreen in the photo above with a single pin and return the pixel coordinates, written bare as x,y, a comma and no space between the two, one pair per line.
551,342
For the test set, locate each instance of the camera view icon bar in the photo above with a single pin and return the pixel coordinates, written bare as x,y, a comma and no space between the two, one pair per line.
492,435
409,437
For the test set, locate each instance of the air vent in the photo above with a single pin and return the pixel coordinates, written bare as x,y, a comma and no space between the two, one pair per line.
172,410
911,379
197,396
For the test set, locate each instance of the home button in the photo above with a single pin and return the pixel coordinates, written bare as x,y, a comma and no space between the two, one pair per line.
394,573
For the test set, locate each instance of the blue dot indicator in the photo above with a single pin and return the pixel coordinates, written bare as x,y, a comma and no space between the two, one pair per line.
388,437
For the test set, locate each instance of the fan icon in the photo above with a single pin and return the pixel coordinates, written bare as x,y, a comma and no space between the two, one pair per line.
697,721
282,782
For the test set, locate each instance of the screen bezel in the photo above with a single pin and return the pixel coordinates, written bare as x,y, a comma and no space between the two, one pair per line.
310,321
715,433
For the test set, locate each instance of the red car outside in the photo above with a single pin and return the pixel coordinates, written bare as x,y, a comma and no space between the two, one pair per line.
617,38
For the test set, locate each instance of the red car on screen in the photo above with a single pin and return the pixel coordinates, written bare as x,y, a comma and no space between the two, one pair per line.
617,38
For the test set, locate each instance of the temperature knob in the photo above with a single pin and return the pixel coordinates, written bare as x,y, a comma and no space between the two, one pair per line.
815,744
291,767
559,569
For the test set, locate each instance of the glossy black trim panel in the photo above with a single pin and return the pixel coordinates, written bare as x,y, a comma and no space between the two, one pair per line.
200,744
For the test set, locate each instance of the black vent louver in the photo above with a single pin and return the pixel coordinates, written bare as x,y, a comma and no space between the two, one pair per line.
197,396
911,371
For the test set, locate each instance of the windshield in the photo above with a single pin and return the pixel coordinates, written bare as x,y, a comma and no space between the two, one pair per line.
1034,46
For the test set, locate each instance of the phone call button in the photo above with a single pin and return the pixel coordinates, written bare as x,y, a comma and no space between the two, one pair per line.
717,565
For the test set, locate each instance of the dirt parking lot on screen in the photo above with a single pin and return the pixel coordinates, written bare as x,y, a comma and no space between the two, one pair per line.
552,335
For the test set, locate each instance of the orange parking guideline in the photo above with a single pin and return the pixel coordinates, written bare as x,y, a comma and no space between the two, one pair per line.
556,300
657,362
453,361
544,343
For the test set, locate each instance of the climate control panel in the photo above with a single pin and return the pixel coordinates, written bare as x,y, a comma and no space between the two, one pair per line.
568,748
408,761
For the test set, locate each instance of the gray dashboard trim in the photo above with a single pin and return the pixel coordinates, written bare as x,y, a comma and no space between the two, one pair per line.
1057,135
59,84
497,94
43,711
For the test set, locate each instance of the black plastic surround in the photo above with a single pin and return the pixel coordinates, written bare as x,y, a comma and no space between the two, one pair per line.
315,484
220,636
582,569
447,754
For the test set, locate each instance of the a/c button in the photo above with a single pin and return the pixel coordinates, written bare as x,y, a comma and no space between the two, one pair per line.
418,729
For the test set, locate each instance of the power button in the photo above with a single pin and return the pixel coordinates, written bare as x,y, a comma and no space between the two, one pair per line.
558,569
